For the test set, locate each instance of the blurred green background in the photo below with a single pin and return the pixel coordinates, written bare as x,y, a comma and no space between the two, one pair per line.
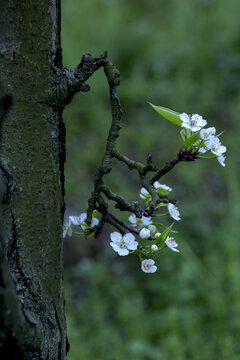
179,54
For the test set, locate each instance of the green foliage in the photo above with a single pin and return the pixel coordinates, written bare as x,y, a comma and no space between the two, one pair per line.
191,140
160,241
184,55
168,114
115,312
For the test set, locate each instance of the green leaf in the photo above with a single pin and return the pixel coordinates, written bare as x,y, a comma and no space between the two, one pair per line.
162,191
168,114
164,235
95,213
191,140
89,234
183,134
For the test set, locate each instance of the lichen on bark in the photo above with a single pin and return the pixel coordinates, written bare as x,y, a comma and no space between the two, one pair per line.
32,317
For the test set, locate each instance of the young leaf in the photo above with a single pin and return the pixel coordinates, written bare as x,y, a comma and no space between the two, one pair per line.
164,235
89,234
95,213
168,114
183,134
191,140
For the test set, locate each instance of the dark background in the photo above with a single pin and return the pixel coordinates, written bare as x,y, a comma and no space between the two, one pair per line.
184,55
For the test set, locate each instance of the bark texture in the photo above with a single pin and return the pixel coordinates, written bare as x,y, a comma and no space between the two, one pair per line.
32,323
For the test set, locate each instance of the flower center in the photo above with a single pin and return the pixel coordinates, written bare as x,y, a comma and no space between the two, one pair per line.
147,266
193,122
215,146
122,244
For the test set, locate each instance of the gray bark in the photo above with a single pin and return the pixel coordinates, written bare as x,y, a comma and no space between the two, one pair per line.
32,321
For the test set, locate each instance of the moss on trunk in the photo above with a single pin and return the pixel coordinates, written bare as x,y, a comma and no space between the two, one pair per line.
32,155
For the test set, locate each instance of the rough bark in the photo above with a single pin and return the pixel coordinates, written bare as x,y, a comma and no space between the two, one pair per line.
32,322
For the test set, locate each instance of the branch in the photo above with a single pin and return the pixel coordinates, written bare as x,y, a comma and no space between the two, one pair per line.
184,154
74,81
165,169
78,76
68,82
113,78
121,203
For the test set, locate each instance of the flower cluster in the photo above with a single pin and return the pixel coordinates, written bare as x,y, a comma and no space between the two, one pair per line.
147,229
207,140
80,221
146,235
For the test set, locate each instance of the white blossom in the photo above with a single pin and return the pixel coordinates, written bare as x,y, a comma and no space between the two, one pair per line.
157,235
171,244
94,222
78,220
122,244
208,133
148,266
144,220
67,228
154,247
144,233
222,159
133,219
173,211
214,144
144,194
193,122
81,221
162,188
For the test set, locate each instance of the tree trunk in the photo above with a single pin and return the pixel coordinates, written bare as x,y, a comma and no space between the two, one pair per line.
32,321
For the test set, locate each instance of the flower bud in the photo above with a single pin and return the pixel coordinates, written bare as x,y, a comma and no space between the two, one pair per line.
152,229
144,233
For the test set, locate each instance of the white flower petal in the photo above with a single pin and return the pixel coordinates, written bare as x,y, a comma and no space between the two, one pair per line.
67,229
156,184
94,222
144,194
123,252
114,246
78,220
133,219
146,220
133,245
74,220
128,238
222,159
184,117
116,237
144,191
